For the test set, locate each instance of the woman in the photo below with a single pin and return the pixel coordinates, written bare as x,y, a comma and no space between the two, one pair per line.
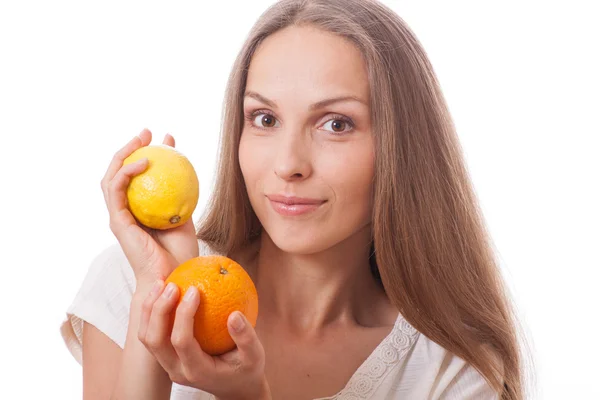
342,191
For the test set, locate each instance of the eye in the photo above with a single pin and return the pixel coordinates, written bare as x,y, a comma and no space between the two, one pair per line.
263,120
339,123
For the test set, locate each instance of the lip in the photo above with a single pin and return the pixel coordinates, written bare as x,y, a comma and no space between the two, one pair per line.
292,205
293,200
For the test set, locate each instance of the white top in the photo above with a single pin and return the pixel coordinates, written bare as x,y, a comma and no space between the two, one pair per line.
405,365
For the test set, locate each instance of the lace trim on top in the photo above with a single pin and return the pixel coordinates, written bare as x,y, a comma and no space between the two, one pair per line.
380,362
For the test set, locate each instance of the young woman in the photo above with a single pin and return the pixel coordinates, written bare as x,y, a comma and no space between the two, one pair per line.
342,190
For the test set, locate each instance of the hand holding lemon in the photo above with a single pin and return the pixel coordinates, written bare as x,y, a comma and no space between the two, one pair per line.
159,185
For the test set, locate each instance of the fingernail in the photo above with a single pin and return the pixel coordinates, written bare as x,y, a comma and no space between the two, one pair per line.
190,293
156,287
237,323
170,290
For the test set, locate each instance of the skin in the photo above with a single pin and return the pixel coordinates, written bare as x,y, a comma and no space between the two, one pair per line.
318,296
318,299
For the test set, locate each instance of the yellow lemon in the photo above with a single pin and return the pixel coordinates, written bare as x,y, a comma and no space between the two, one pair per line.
164,195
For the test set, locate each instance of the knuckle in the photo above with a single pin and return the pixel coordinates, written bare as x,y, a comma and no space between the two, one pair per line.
111,186
178,378
114,226
183,311
178,340
245,341
191,376
117,155
173,377
238,366
161,307
153,341
147,305
258,354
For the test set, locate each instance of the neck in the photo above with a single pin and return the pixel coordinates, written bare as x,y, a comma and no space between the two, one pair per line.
309,292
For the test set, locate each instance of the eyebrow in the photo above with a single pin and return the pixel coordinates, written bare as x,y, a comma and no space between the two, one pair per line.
312,107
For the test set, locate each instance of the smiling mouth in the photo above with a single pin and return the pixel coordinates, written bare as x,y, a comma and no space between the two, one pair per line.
294,209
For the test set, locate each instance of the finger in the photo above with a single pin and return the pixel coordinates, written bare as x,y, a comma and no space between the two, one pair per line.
158,334
182,243
169,140
145,136
156,291
143,139
243,334
195,362
117,195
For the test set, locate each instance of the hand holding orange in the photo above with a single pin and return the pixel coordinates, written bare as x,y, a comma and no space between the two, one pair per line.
199,325
224,287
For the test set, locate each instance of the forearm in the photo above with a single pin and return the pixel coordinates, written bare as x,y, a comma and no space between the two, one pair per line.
140,375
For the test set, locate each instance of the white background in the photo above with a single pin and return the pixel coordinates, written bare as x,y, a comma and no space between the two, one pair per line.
77,81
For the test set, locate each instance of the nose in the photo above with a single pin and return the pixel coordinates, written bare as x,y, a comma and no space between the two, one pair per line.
293,158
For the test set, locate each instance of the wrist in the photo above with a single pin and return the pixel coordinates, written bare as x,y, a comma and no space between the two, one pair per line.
143,288
137,301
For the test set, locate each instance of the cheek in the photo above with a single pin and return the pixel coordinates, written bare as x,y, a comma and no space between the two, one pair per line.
243,153
350,175
252,161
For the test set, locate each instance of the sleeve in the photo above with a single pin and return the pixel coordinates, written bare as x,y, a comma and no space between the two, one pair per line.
445,376
103,300
468,384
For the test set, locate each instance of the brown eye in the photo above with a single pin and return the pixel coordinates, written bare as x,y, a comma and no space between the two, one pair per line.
263,121
338,125
268,121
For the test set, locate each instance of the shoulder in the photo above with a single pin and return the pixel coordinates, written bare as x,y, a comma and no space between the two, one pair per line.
424,369
107,272
449,376
112,262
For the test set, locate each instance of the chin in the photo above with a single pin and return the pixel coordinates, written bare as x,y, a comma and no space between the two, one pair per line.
302,242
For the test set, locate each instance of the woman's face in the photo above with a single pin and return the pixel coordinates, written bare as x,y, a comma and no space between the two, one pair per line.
298,142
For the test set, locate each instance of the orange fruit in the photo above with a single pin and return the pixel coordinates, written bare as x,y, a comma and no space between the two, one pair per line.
165,195
224,287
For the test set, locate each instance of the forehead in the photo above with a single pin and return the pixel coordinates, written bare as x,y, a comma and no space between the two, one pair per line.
309,63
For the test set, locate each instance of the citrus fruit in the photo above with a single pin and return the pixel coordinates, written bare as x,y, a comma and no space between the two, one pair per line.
166,194
224,287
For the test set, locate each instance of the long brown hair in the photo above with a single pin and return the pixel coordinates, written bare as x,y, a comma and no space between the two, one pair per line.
431,247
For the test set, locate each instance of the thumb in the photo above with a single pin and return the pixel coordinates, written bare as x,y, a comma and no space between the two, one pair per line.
243,334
